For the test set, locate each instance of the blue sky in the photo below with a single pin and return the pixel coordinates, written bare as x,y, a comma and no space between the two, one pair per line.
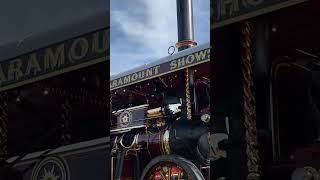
142,30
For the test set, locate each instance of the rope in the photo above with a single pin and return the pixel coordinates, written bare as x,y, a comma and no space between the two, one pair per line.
249,104
3,125
188,98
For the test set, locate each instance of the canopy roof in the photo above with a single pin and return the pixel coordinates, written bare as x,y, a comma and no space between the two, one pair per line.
183,59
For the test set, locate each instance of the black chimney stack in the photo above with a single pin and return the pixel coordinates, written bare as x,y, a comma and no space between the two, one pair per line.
185,24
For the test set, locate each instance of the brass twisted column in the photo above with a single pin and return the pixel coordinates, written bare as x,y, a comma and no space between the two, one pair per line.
66,123
188,97
3,125
249,103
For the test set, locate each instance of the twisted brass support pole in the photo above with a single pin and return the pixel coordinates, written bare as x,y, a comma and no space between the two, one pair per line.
3,125
188,98
66,123
249,103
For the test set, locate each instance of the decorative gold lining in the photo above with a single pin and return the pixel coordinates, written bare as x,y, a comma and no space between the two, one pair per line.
133,144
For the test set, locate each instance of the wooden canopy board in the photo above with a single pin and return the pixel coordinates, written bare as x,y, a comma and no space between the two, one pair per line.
184,59
231,11
69,55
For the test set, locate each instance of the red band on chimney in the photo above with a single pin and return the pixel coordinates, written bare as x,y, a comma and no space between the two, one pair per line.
186,43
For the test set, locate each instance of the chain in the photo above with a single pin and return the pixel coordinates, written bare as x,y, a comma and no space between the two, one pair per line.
66,122
249,104
3,125
188,98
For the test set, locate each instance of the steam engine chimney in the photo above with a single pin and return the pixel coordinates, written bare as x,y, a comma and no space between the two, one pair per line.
185,25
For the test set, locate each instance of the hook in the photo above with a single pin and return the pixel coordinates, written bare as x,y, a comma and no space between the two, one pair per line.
171,47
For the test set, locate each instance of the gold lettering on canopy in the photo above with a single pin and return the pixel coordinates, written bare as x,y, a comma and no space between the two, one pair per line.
54,59
81,44
62,57
33,64
14,72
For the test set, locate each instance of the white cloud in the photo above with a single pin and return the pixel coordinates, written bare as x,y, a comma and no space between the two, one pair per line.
154,33
158,32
